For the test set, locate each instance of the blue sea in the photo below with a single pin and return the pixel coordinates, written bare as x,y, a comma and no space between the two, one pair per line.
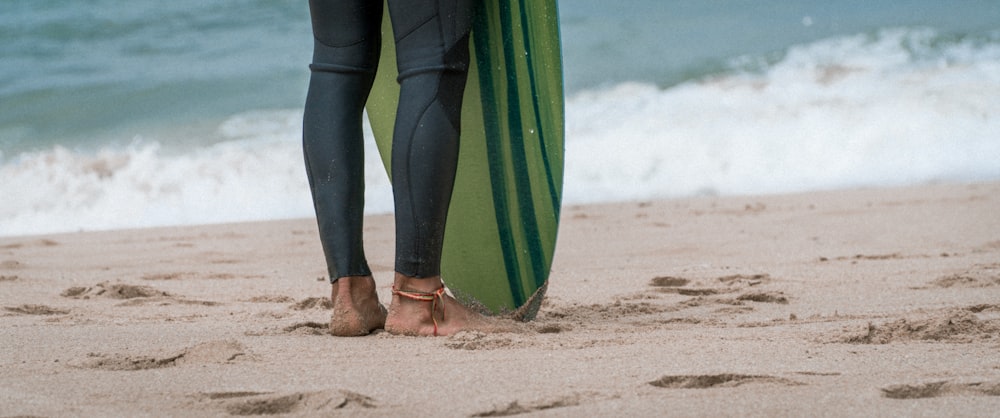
118,114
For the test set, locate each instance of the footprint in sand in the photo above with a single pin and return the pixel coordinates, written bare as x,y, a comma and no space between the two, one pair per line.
955,326
11,265
669,281
944,388
270,299
980,275
717,380
985,307
515,407
131,294
269,403
113,291
217,352
670,284
719,286
645,313
35,310
298,328
764,297
730,284
745,280
307,328
313,303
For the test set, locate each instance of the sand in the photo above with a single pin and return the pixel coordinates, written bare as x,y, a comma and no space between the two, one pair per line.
882,302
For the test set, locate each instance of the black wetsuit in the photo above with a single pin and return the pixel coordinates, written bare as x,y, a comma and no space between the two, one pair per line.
432,53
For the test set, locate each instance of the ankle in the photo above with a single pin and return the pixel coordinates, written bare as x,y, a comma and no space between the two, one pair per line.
354,288
417,284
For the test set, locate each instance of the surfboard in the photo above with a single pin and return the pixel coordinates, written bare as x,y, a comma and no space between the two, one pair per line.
504,216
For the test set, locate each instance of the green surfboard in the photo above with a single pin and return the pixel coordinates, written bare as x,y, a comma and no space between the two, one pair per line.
504,215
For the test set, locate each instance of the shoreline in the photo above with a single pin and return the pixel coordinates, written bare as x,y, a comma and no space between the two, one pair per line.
565,206
875,301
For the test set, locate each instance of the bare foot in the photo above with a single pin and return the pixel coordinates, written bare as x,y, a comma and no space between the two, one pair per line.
356,309
420,307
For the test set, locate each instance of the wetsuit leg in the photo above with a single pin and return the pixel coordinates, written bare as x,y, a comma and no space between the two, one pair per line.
432,52
347,40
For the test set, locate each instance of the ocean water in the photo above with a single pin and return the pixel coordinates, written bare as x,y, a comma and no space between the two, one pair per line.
135,114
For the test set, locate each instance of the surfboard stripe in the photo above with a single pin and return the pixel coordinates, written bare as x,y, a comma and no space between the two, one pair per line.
528,224
545,74
554,192
515,144
496,160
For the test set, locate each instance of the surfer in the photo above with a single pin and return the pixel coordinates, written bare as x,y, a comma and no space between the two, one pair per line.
432,51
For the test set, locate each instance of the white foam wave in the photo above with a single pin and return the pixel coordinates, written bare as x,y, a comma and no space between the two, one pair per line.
887,109
856,111
256,174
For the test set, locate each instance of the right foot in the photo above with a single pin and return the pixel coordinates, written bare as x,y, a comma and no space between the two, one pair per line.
436,314
356,309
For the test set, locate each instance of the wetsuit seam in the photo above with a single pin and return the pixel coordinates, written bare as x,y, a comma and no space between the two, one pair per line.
418,261
410,263
319,41
400,37
440,28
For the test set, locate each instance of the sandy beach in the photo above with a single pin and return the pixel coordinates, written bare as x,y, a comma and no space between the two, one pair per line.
880,302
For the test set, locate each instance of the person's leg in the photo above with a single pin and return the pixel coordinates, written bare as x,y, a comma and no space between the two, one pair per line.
345,57
432,55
